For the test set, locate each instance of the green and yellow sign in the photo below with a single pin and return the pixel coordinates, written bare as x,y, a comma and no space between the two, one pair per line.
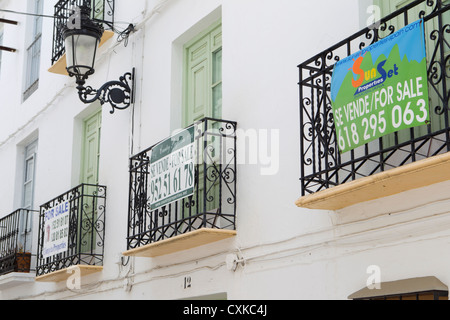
381,89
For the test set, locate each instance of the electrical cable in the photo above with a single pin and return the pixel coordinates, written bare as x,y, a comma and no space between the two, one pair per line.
47,16
123,34
27,14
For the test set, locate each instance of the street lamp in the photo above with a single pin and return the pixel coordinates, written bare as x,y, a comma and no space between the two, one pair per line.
81,43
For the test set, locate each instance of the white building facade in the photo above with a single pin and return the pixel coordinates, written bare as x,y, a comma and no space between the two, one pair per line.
251,229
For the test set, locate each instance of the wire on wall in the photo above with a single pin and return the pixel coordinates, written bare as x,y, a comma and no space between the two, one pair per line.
123,34
27,14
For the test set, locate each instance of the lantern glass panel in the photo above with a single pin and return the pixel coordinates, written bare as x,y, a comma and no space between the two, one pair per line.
80,53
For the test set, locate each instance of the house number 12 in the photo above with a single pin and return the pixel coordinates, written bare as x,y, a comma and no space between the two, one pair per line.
187,282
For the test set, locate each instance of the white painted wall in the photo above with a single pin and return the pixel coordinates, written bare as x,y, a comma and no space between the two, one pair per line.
289,252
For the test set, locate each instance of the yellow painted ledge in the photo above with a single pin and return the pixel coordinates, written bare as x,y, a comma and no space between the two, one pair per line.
64,274
411,176
182,242
59,67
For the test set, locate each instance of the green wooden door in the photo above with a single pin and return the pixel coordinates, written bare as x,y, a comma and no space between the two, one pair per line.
99,9
203,76
91,149
89,175
203,98
437,120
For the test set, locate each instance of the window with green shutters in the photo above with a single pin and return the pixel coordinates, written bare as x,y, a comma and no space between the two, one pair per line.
98,11
437,121
91,149
203,98
203,76
89,176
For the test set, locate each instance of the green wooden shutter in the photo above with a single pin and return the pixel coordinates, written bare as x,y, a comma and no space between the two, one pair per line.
216,76
203,76
203,98
99,9
437,121
91,149
89,175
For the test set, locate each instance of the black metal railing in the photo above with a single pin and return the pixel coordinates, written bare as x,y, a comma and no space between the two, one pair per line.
322,166
102,11
213,202
16,253
72,229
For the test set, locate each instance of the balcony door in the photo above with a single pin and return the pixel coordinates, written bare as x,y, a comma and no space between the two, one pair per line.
89,176
98,9
91,149
437,119
203,76
203,98
27,196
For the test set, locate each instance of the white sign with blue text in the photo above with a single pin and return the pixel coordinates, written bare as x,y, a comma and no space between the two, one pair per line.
56,229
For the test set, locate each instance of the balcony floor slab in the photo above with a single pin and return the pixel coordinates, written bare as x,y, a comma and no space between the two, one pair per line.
415,175
64,274
182,242
14,279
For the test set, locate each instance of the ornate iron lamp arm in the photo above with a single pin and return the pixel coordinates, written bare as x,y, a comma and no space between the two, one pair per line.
119,94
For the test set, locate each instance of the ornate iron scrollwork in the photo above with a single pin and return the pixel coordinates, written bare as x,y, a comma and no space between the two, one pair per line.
211,205
119,94
322,166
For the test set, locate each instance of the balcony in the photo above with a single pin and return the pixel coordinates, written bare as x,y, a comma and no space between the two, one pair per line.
102,12
15,242
159,224
404,160
71,233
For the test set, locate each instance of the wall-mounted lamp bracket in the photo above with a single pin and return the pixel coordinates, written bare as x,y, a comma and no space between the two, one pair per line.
119,94
81,43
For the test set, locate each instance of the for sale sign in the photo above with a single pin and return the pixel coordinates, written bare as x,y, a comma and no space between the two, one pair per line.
381,89
172,169
56,229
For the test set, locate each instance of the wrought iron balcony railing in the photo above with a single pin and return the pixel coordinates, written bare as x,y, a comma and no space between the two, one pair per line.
72,230
213,202
102,11
16,242
322,166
